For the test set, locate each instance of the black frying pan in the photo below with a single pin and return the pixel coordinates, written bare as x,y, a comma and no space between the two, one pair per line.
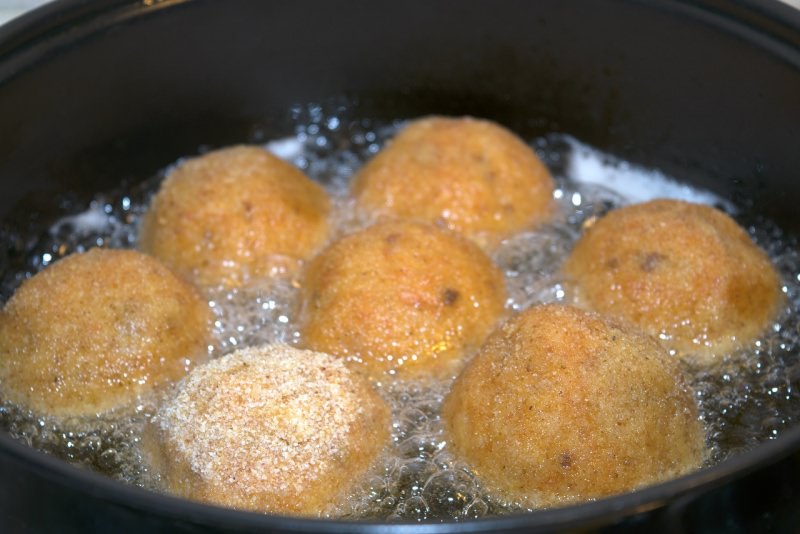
96,94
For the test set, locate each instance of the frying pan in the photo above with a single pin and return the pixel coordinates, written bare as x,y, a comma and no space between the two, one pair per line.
94,95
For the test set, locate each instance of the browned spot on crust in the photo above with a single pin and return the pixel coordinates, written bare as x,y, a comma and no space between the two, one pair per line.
651,261
566,460
450,296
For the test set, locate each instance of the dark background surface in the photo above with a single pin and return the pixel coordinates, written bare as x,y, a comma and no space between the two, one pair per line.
663,84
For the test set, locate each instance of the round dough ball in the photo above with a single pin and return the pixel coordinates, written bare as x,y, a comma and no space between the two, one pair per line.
562,405
271,429
402,297
96,331
233,215
472,176
686,273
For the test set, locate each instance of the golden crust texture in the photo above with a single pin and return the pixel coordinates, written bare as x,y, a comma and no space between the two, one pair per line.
471,176
233,215
684,272
402,297
271,429
563,406
95,331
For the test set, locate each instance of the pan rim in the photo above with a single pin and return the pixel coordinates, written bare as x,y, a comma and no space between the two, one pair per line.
776,24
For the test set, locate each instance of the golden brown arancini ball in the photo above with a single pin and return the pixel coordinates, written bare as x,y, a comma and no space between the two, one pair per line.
472,176
401,296
271,429
684,272
562,405
95,331
233,215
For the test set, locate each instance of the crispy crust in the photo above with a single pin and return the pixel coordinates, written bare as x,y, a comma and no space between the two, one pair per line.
233,215
403,297
685,272
471,176
562,406
95,331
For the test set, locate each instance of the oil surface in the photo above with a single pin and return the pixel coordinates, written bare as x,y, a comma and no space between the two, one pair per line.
750,398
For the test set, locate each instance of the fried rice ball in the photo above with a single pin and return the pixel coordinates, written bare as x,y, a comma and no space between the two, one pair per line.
271,429
401,297
96,331
472,176
684,272
234,215
562,406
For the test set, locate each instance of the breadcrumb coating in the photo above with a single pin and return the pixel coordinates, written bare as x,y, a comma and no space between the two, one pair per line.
468,175
97,331
563,406
401,297
683,272
234,215
271,429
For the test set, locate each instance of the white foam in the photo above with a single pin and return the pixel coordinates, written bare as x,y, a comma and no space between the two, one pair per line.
287,148
95,219
632,182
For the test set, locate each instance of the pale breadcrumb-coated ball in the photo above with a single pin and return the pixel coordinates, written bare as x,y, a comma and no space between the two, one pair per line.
234,215
272,429
469,175
562,406
401,297
684,272
98,330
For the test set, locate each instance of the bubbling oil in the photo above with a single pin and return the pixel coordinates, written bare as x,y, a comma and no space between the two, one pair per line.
750,398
